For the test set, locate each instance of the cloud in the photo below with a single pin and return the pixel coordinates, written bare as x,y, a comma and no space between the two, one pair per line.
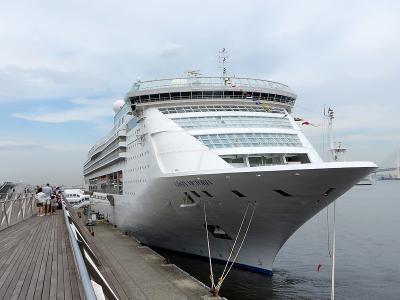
62,147
86,110
16,145
171,50
33,146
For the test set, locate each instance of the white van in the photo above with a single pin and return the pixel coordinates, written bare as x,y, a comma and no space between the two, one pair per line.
99,198
76,196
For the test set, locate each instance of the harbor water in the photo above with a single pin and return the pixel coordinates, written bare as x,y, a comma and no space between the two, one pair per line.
367,253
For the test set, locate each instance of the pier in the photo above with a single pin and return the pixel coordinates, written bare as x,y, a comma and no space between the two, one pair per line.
56,257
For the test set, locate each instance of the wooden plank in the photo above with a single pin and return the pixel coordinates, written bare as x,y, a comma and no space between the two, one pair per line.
38,266
40,281
47,275
13,270
24,275
13,239
60,267
54,276
33,271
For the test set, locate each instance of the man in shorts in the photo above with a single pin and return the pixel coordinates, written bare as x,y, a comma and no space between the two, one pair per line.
40,199
48,191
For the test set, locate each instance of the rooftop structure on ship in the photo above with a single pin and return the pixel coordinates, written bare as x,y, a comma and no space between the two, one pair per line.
194,89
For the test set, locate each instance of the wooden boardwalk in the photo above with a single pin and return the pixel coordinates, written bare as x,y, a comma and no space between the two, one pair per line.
36,260
136,272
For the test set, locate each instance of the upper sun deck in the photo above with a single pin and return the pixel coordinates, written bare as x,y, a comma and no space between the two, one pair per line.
200,87
199,82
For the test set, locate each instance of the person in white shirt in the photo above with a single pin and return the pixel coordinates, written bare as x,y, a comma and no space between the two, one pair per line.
48,191
40,200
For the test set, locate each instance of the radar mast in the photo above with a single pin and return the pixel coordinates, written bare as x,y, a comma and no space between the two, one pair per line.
223,57
335,148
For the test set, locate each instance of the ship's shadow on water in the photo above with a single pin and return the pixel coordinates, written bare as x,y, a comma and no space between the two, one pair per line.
241,284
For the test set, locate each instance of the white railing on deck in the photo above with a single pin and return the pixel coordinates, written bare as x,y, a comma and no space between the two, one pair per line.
16,208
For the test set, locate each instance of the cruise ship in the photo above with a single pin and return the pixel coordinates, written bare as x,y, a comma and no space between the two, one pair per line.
203,165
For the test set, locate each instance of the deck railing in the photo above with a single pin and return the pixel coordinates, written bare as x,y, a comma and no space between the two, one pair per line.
85,259
16,208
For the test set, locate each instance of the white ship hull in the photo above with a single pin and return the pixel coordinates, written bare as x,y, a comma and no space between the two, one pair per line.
156,217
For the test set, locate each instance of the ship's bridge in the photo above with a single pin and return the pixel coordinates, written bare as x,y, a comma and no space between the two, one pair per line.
196,88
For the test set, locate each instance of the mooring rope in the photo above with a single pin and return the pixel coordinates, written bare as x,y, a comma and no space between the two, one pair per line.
209,250
328,229
333,252
236,239
238,251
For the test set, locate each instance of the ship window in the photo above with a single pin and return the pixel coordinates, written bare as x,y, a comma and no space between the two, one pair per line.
251,108
197,95
217,94
214,94
283,193
239,194
256,95
301,158
233,140
165,96
234,160
208,194
144,98
189,197
207,94
155,97
228,93
195,193
233,121
265,160
175,95
217,232
185,95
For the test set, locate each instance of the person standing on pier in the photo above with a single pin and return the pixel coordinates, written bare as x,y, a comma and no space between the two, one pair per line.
48,191
53,204
40,199
58,198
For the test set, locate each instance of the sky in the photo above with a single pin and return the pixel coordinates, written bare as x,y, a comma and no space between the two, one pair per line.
64,63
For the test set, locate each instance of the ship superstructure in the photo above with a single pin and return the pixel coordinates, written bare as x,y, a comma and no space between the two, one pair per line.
224,146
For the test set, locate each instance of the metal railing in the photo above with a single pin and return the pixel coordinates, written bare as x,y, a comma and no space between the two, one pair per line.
85,260
16,208
208,81
79,262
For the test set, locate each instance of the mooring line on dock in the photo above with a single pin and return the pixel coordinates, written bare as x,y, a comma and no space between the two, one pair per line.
209,250
333,251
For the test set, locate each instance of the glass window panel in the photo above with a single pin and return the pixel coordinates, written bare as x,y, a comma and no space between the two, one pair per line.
250,139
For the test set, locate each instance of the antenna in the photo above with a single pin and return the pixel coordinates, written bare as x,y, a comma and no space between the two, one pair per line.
336,149
223,57
193,73
330,128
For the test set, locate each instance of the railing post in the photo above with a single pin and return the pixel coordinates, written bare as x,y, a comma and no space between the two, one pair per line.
32,204
7,213
3,213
